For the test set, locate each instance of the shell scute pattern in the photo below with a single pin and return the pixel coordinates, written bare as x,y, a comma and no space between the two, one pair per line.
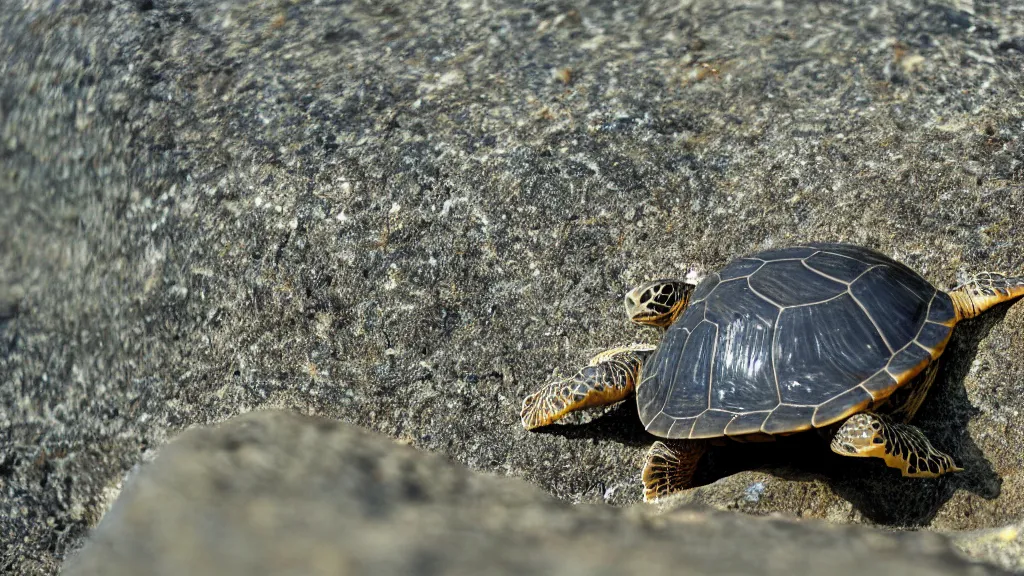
883,295
741,369
711,423
774,283
743,267
912,358
785,340
689,379
933,338
836,266
746,423
879,383
941,310
824,350
704,288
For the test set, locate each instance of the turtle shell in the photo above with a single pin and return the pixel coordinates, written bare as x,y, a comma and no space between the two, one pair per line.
786,340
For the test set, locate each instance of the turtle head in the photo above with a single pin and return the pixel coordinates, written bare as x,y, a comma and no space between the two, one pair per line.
861,435
658,303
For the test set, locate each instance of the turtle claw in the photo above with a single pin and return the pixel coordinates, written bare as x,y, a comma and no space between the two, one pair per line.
542,407
528,414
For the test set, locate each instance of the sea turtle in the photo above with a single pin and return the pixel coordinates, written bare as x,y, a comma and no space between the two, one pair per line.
829,336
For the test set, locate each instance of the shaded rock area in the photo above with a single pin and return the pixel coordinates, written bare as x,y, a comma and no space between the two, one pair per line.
275,493
408,215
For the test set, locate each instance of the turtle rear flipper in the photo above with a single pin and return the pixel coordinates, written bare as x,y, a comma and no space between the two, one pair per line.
901,446
670,469
983,292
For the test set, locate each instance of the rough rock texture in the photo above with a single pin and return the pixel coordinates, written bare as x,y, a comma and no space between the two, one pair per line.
275,493
1004,545
408,215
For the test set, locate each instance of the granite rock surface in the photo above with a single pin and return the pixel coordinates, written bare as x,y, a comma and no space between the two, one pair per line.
275,493
409,215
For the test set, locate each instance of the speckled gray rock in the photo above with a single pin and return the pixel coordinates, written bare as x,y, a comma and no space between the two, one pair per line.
275,493
407,215
1004,545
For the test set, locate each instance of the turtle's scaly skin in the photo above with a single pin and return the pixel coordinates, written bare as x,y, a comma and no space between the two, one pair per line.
984,291
608,377
667,467
787,340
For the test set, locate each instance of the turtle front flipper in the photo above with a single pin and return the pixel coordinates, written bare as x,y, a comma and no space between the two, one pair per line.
670,469
902,446
609,377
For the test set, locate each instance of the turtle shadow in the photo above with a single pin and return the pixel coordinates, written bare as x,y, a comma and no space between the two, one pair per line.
882,495
617,423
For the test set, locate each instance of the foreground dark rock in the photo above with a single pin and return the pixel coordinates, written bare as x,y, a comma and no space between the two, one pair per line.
409,214
275,493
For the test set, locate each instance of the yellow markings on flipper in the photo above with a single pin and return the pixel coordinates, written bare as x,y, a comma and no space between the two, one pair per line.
984,291
918,458
555,400
611,376
670,469
899,445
